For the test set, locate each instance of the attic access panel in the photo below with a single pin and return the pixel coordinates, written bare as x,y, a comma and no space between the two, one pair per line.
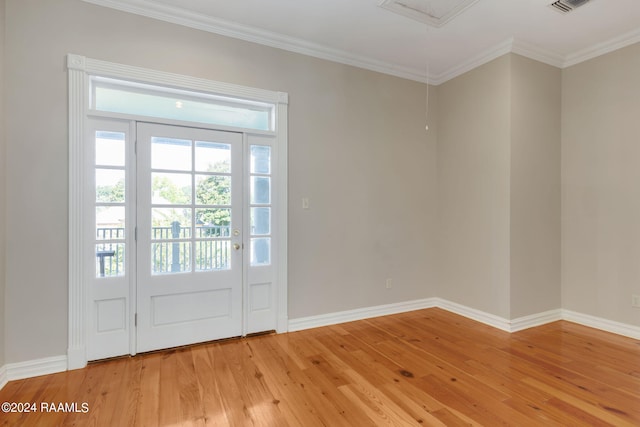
432,12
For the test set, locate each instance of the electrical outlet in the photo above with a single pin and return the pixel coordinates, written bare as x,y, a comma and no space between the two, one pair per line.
389,283
635,301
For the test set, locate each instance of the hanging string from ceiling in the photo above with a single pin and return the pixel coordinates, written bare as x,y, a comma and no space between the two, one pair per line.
426,109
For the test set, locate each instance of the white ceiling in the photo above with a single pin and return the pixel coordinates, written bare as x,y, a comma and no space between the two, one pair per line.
359,32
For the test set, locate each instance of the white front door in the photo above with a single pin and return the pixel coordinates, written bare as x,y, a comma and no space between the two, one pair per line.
181,239
189,235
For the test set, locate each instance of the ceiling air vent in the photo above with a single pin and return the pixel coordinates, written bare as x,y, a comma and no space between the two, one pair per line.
566,6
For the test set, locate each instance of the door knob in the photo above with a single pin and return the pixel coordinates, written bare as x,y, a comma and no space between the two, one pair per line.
236,246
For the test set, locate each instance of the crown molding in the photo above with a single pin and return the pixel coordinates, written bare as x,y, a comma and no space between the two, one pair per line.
209,24
509,45
538,54
476,61
599,49
268,38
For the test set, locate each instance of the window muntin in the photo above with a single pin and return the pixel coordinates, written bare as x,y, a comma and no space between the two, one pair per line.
260,205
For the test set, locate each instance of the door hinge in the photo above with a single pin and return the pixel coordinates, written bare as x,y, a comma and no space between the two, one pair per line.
135,232
135,319
135,147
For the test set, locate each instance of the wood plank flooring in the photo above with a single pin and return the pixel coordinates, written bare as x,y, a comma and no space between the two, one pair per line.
427,367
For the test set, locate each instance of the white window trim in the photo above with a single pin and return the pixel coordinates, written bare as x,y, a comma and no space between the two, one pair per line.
80,69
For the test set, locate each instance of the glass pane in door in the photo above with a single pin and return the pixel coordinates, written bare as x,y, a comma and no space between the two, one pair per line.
213,157
213,190
171,154
170,257
260,205
110,148
110,196
260,159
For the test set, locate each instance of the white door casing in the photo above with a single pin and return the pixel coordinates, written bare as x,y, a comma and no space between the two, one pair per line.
264,284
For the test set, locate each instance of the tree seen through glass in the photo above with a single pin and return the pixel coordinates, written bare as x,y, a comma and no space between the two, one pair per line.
212,215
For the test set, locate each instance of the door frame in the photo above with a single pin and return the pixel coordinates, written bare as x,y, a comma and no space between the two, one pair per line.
80,70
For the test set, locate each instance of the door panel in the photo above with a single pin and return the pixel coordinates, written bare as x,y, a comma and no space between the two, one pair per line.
108,266
189,229
260,302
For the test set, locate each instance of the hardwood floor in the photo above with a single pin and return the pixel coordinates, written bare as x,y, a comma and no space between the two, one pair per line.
427,367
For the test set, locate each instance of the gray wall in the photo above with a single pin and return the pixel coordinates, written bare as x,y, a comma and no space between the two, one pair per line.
357,149
535,187
499,187
600,186
3,183
473,187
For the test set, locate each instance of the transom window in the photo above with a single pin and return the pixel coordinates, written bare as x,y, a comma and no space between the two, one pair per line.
127,97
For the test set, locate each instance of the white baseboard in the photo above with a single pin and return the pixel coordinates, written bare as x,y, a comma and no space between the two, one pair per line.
619,328
472,313
533,320
4,379
358,314
35,368
514,325
468,312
